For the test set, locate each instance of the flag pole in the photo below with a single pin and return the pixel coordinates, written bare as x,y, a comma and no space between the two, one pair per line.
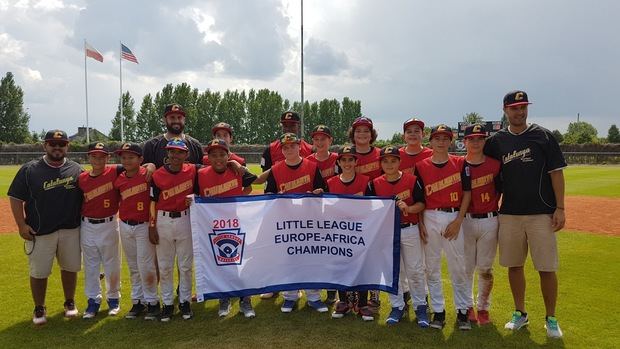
120,66
86,94
302,70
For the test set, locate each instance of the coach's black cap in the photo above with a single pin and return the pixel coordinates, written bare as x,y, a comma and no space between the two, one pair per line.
347,150
441,129
174,108
321,129
289,116
217,143
289,138
389,150
221,126
475,130
56,135
129,148
413,121
514,98
98,147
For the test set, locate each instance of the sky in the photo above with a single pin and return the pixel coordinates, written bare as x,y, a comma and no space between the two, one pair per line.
434,60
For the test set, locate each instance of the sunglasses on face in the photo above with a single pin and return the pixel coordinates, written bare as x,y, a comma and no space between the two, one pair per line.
54,144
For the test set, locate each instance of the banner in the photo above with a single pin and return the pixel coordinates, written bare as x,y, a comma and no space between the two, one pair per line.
247,245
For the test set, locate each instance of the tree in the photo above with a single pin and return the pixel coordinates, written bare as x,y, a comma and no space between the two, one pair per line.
148,121
580,132
13,119
472,118
558,136
397,138
613,136
129,120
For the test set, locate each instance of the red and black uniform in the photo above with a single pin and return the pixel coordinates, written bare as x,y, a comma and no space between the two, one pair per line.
484,186
301,178
227,183
170,188
355,187
100,197
273,153
443,183
408,161
369,163
327,166
233,156
135,199
406,188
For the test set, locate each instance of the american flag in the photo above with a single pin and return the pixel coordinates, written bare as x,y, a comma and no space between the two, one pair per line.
127,54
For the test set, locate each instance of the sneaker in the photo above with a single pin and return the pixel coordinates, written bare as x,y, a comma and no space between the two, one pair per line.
331,297
135,311
152,312
518,320
318,306
39,315
471,315
553,329
483,317
269,295
114,307
245,307
342,309
224,309
92,309
186,310
421,314
367,314
439,320
395,316
70,309
288,306
166,313
462,320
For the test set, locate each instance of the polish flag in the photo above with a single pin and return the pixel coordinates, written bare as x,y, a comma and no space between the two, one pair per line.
92,52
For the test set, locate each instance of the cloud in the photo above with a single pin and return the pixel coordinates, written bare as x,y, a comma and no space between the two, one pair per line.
322,59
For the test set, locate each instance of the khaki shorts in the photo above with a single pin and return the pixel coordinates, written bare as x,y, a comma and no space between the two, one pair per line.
518,232
64,244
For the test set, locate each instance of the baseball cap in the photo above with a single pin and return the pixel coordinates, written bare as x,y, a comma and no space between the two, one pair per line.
413,121
475,130
290,116
98,147
441,129
321,129
217,143
514,98
389,150
177,143
221,126
129,148
56,135
362,121
289,138
174,108
347,150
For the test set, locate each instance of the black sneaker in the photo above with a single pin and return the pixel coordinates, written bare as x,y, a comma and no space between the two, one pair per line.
135,310
462,320
186,310
166,313
70,309
331,297
439,320
152,311
39,315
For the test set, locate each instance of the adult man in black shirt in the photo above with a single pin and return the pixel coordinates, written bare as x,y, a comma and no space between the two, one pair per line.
532,207
45,202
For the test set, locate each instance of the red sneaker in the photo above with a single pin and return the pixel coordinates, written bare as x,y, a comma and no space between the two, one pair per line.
483,317
471,315
367,313
342,308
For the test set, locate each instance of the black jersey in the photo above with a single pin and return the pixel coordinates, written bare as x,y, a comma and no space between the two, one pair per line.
155,150
526,160
52,196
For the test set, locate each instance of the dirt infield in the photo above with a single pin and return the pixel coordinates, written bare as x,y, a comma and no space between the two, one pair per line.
584,213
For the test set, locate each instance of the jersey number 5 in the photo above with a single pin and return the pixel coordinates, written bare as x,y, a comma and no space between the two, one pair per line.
106,203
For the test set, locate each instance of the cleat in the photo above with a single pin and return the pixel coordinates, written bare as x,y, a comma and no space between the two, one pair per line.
367,313
166,313
152,312
136,310
462,320
186,310
439,320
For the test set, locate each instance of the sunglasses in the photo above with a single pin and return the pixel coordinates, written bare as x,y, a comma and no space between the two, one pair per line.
57,144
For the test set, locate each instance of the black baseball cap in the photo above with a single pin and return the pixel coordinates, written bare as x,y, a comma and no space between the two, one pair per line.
217,143
321,129
347,150
413,121
98,147
441,129
221,126
389,150
56,135
289,138
290,116
475,130
174,108
514,98
129,148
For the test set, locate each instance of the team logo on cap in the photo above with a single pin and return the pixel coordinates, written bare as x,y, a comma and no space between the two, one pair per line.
126,146
288,116
346,149
389,150
519,96
215,142
477,128
227,246
320,128
441,128
99,146
175,107
58,134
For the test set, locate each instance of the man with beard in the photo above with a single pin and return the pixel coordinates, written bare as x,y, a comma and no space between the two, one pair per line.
154,149
46,201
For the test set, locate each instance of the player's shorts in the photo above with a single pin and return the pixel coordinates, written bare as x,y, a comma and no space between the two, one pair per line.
517,233
64,244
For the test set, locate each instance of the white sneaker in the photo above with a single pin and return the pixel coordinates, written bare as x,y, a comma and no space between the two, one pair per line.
39,316
553,329
224,309
70,309
518,320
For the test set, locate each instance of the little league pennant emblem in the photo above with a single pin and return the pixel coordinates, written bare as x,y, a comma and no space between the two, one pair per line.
227,246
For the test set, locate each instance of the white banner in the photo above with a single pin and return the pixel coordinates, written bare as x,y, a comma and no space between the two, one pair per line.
248,245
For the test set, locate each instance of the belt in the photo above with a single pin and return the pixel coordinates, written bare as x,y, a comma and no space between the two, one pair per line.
97,220
407,225
482,215
174,214
132,222
447,209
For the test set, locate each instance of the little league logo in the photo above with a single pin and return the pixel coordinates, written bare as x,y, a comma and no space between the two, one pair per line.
227,245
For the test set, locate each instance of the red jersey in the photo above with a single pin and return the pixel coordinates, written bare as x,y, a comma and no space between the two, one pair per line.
368,164
100,197
403,189
327,166
408,161
442,185
275,150
484,196
134,192
298,180
212,183
356,187
233,156
170,189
